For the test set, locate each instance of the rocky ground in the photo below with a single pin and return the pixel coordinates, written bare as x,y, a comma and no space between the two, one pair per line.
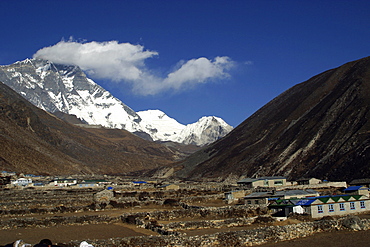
325,239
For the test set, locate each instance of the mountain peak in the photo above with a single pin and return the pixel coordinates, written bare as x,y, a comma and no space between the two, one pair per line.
66,88
206,130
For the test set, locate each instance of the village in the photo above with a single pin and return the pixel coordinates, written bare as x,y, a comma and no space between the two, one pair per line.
311,197
153,209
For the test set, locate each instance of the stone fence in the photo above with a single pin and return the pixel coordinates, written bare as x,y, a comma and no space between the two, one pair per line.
196,212
252,237
205,224
29,222
216,218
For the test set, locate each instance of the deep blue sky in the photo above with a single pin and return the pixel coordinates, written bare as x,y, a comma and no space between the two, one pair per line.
273,44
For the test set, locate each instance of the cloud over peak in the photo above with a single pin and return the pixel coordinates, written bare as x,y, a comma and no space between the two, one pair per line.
109,60
125,62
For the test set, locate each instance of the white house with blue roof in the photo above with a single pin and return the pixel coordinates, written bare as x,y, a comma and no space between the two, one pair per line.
318,207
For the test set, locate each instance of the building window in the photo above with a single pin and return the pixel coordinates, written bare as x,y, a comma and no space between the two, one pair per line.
319,209
352,206
256,202
331,207
341,207
362,204
249,202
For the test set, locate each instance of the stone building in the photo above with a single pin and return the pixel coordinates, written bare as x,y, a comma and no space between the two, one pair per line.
235,195
262,182
308,181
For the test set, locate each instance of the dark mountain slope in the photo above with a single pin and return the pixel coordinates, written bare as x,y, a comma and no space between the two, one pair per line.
318,128
34,141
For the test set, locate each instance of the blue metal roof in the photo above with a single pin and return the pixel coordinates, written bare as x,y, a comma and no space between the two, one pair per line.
353,188
304,202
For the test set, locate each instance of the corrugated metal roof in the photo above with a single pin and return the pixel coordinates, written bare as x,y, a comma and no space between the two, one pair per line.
290,193
353,188
305,202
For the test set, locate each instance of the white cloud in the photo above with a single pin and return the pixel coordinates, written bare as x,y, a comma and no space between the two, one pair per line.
110,60
126,62
199,71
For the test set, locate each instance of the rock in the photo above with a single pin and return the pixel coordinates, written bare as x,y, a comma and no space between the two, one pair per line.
104,196
352,222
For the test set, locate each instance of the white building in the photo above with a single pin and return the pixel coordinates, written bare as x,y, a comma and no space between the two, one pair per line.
318,207
63,182
22,181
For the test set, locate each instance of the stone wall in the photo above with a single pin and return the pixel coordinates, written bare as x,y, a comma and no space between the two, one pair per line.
253,237
31,201
199,212
204,224
14,223
214,217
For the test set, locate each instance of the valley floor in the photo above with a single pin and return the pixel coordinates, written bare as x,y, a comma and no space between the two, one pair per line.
66,233
68,216
62,234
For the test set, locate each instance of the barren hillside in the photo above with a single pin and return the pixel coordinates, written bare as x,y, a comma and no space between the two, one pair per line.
318,128
34,141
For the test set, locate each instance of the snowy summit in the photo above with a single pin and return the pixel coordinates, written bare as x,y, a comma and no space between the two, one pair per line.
66,88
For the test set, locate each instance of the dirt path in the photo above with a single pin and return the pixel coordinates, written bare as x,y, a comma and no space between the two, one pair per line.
63,234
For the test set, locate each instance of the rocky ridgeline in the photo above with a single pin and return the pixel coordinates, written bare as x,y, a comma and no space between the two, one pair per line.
252,237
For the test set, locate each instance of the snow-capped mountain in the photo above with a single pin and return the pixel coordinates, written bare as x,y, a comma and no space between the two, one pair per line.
65,88
160,126
56,87
206,130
